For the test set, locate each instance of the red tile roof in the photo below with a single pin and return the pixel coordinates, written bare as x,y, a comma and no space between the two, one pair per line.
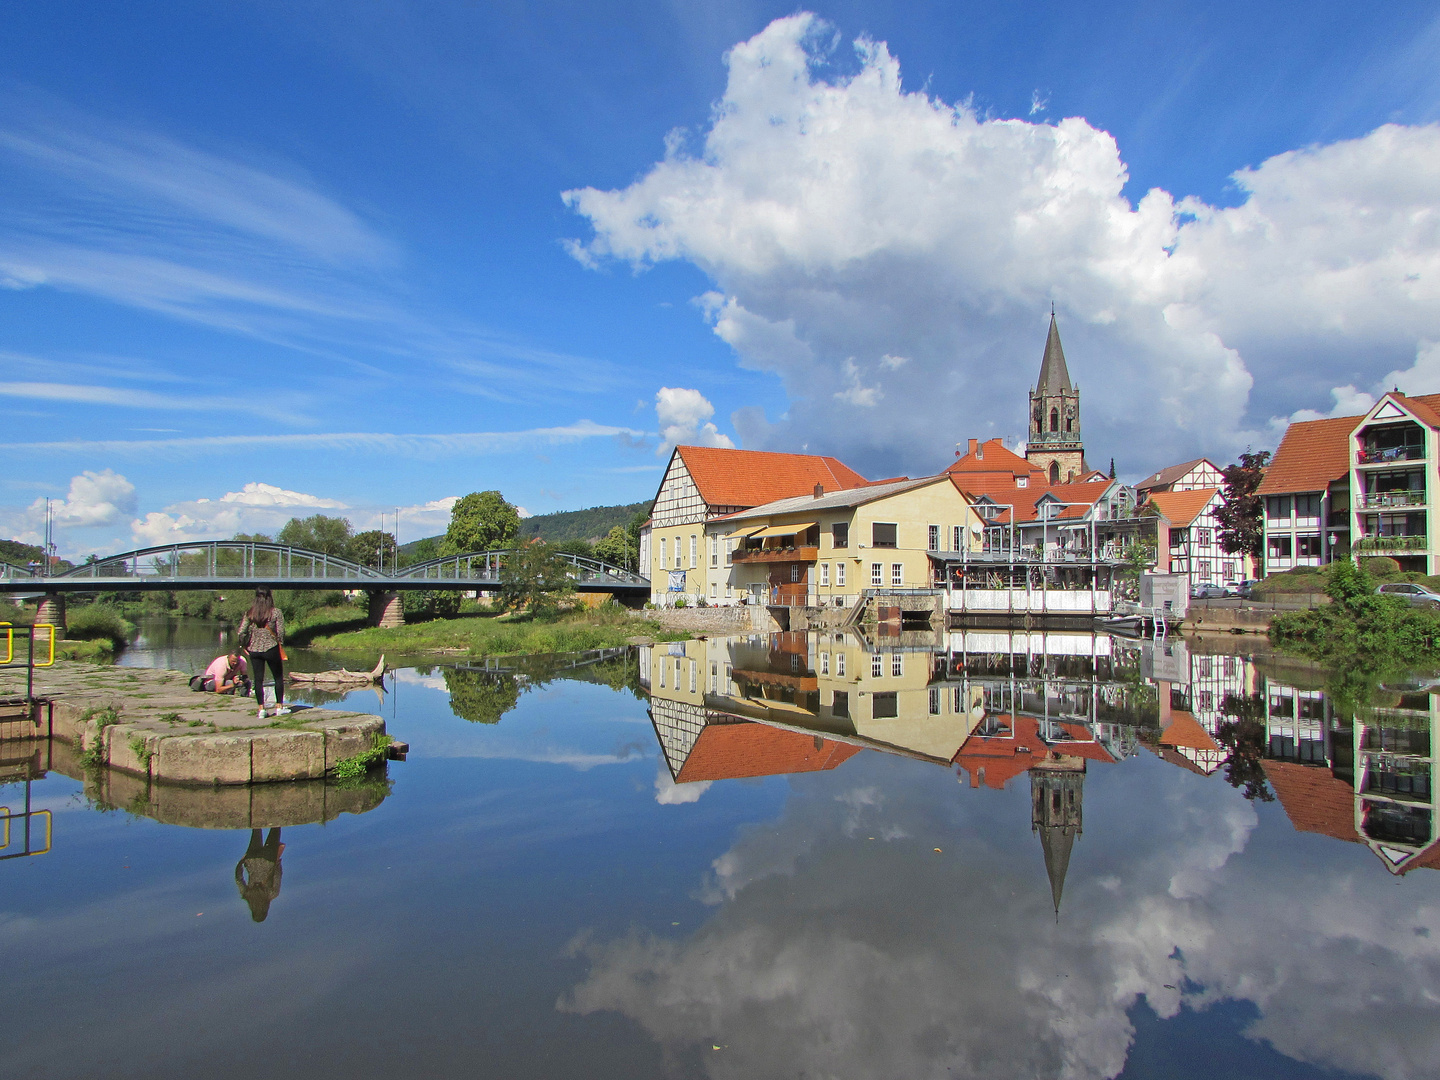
991,456
1314,800
1315,452
1004,757
1185,730
750,477
1002,489
728,750
1180,508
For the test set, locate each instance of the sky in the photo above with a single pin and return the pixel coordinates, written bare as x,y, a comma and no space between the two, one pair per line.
264,259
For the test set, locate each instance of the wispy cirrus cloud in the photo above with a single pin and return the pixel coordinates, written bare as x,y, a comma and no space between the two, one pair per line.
411,445
141,399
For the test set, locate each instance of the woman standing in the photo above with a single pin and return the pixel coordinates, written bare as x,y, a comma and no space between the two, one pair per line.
262,632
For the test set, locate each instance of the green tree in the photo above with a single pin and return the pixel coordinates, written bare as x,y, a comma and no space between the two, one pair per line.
327,535
1241,511
481,521
372,548
481,697
535,577
614,548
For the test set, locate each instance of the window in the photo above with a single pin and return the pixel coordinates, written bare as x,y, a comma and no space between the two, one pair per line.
934,537
840,532
663,666
897,665
1308,506
1204,569
824,663
729,590
1228,666
1307,547
877,573
662,553
884,706
693,673
1054,419
955,537
714,550
677,674
1227,571
1278,547
956,704
934,701
839,573
1207,700
729,550
794,662
877,666
841,705
839,665
882,535
714,590
824,573
1202,537
1207,667
1277,507
794,572
897,573
692,551
714,677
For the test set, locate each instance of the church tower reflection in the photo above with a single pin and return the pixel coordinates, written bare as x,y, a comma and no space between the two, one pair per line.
1057,788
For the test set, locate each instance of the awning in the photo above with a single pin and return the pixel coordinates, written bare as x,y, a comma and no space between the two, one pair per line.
783,530
746,533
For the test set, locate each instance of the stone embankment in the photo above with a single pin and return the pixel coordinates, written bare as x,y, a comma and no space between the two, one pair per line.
737,619
150,724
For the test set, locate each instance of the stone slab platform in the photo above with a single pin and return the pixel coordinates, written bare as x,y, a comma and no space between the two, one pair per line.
168,732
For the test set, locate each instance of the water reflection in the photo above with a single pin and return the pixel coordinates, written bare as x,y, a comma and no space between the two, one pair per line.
258,872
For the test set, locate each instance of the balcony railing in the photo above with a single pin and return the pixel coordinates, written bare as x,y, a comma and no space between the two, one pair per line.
1380,500
1368,544
775,554
1376,455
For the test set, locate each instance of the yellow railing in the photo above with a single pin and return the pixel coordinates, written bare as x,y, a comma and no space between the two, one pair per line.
48,626
9,643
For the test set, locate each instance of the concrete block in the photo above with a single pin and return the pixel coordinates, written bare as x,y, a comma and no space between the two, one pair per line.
347,735
204,759
286,755
123,790
121,754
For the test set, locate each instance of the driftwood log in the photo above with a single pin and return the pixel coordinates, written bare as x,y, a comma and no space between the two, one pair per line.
340,677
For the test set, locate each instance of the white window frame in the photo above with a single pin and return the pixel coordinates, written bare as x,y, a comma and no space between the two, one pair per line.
825,574
714,550
897,573
839,575
693,552
877,666
824,663
662,554
877,573
897,664
839,665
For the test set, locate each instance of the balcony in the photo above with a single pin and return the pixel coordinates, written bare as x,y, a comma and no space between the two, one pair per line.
742,556
1384,500
1387,454
1369,545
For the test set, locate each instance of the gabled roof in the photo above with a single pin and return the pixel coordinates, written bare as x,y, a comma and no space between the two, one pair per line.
1180,508
1313,453
728,750
1167,476
991,456
1026,500
727,477
840,500
1185,731
1054,375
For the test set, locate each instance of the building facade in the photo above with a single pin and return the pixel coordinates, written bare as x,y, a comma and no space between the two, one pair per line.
1054,444
1187,538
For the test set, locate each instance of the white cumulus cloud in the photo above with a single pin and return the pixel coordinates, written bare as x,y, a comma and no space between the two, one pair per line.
684,417
95,498
846,222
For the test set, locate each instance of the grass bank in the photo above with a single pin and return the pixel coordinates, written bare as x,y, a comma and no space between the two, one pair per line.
485,634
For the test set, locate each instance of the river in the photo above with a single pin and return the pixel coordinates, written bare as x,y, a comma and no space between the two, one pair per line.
973,854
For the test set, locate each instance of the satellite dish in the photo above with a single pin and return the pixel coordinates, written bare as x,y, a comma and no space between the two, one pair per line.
976,528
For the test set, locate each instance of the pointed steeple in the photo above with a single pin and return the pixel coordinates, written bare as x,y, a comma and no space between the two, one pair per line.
1057,841
1054,375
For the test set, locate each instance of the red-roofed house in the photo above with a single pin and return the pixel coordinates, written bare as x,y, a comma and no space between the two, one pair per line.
1188,537
702,483
1187,476
1363,480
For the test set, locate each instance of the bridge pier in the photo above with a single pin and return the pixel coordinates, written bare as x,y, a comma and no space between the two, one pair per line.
52,610
386,609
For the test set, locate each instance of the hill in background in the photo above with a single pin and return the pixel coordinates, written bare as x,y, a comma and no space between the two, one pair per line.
590,525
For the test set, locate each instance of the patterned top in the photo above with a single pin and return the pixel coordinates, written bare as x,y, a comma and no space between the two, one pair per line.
258,638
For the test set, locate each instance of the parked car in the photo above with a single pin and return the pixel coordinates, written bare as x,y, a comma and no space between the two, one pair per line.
1415,595
1209,592
1246,589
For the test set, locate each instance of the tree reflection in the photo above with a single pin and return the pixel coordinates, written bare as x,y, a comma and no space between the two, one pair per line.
1242,732
481,697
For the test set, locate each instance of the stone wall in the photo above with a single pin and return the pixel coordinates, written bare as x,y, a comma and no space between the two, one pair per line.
739,619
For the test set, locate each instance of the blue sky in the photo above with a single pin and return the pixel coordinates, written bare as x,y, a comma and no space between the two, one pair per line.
263,259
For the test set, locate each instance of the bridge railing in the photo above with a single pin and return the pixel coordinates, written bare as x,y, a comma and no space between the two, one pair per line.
224,559
487,565
15,573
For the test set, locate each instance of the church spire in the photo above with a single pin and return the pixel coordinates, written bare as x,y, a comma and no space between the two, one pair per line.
1057,841
1054,375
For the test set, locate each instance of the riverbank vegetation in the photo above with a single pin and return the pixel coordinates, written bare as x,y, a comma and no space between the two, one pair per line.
1360,629
487,632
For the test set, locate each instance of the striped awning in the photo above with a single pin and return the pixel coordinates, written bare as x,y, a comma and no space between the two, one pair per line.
783,530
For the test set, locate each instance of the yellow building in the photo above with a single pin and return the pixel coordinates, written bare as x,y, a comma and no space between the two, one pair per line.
826,548
702,483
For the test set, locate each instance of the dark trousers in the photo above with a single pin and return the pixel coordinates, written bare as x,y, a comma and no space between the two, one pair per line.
258,661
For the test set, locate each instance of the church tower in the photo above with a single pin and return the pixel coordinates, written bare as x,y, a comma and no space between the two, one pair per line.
1054,445
1057,786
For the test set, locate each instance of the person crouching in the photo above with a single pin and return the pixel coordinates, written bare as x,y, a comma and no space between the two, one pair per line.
227,674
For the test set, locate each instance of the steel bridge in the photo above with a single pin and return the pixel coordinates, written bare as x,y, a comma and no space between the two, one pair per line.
230,564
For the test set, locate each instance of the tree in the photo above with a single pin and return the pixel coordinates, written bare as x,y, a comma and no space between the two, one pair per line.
373,548
614,548
327,535
535,577
1241,512
1112,468
481,521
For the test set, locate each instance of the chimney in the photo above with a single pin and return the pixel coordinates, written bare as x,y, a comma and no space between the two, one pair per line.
975,450
979,451
819,490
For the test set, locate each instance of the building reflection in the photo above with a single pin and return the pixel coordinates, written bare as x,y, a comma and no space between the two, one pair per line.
996,706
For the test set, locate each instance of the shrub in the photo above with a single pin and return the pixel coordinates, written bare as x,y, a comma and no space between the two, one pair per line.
99,622
1380,566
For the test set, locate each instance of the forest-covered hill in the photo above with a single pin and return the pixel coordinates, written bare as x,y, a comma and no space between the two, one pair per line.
590,525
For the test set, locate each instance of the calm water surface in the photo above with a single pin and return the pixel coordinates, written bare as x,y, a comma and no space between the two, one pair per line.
984,855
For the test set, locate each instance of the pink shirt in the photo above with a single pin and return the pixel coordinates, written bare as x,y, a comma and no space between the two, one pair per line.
220,666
